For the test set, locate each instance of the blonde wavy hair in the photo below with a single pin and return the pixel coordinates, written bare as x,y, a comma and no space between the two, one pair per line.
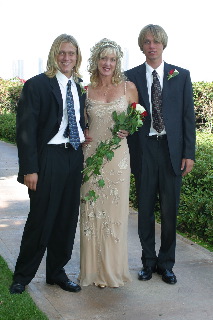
158,33
99,50
52,66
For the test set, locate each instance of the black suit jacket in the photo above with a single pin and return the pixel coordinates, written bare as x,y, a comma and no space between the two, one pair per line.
39,115
178,113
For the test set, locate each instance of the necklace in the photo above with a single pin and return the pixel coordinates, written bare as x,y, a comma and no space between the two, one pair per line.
107,89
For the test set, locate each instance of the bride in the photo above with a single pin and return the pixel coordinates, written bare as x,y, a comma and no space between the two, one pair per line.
104,222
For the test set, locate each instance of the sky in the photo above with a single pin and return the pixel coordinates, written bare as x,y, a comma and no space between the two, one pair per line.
28,29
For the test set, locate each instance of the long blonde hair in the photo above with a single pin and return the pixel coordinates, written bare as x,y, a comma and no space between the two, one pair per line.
52,66
101,48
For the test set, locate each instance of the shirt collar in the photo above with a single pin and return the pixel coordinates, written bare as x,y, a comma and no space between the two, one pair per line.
159,70
62,79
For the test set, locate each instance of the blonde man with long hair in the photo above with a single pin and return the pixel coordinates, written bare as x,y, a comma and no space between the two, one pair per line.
50,125
162,151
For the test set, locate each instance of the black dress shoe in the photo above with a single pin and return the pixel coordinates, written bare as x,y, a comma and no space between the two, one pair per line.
146,273
66,285
168,276
17,288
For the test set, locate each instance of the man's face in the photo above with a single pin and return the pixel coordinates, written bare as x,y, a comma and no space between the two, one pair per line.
152,49
67,58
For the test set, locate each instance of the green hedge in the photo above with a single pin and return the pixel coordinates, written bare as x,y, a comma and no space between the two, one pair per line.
202,93
8,127
10,91
203,101
196,206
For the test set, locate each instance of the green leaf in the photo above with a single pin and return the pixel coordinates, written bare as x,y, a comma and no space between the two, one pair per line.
85,178
89,161
110,155
97,171
91,196
101,183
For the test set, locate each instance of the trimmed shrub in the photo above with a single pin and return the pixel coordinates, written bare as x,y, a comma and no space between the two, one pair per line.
203,101
8,127
10,91
196,205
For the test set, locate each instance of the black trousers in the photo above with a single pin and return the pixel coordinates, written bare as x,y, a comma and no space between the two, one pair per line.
157,179
53,216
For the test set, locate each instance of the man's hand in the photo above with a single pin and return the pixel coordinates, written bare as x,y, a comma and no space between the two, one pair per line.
30,180
186,166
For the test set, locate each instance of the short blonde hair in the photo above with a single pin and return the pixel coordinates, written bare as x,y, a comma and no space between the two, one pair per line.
101,48
158,33
52,66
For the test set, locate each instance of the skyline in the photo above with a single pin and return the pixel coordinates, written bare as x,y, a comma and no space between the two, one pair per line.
29,30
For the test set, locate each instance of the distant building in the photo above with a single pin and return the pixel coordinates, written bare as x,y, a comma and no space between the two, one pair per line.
126,59
18,69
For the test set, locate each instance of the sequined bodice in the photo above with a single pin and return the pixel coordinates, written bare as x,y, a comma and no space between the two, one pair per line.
100,116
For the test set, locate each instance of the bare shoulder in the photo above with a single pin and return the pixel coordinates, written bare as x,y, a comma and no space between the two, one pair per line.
130,85
131,92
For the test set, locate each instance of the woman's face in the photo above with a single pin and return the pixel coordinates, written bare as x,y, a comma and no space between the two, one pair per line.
107,64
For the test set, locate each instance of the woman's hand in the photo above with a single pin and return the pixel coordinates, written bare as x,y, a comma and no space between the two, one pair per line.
88,139
122,134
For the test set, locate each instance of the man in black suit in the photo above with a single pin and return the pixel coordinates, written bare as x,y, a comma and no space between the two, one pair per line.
162,151
50,165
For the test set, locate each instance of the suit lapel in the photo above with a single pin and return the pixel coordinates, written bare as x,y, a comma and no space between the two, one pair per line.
141,84
80,95
57,93
166,88
165,81
82,105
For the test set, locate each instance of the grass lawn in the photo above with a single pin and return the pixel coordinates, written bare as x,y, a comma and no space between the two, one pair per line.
15,306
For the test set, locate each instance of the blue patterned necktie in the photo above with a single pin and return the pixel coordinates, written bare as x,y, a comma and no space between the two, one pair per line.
156,99
71,130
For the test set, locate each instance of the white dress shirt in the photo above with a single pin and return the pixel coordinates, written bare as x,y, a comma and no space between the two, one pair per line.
149,79
62,81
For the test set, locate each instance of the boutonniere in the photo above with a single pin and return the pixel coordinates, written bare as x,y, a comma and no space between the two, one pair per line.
172,73
83,89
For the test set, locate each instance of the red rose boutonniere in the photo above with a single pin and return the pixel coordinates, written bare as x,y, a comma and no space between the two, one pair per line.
172,73
83,89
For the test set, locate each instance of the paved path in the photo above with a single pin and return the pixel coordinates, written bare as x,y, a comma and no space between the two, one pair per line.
190,299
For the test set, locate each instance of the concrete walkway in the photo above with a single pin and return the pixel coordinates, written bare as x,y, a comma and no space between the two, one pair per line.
190,299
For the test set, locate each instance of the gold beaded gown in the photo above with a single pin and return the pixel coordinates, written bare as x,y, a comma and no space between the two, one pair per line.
104,223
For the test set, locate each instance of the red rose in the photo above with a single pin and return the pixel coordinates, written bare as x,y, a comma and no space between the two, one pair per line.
171,71
144,114
133,105
86,87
